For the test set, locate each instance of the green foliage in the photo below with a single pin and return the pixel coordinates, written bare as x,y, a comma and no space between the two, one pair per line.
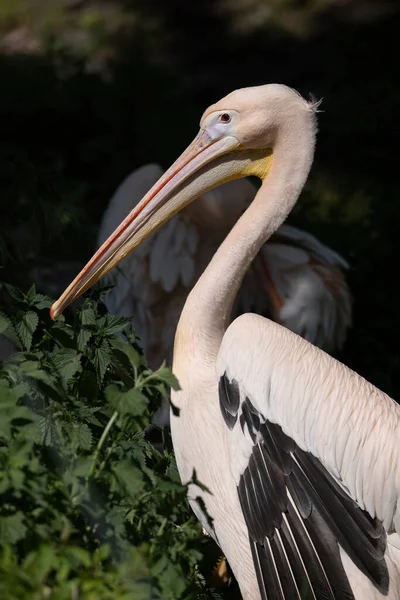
88,508
94,90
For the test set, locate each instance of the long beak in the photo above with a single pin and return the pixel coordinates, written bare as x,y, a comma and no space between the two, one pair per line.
201,167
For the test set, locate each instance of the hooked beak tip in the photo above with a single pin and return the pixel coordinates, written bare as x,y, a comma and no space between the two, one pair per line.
53,312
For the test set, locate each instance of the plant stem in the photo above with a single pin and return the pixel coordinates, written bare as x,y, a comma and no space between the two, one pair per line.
102,440
145,380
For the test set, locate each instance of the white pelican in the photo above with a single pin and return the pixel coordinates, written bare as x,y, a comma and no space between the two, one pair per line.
300,455
303,284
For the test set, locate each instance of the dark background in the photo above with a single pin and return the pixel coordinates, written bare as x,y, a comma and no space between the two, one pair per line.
91,90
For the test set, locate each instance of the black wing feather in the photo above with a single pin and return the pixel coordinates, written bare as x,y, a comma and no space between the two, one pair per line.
229,400
298,515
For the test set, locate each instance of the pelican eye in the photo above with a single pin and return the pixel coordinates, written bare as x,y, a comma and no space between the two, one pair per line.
225,118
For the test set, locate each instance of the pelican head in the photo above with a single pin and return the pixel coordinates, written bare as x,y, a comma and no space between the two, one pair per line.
236,139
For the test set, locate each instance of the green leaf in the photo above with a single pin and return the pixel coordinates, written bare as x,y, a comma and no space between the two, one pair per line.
87,319
172,471
129,477
167,377
111,324
167,485
33,369
22,389
8,330
78,556
82,466
5,323
27,327
134,357
12,528
14,292
40,563
87,315
41,301
62,333
131,402
5,427
172,580
102,359
82,435
53,435
99,293
31,294
87,413
67,362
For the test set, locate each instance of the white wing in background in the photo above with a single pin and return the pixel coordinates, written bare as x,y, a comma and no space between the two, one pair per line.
301,281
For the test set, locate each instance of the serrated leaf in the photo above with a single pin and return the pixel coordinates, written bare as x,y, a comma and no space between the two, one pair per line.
167,485
111,324
32,369
172,471
84,335
116,518
87,413
167,377
12,528
21,389
62,334
27,327
67,362
41,301
8,330
5,323
101,291
82,435
122,367
87,318
31,293
102,359
14,292
129,477
133,355
131,402
32,432
47,431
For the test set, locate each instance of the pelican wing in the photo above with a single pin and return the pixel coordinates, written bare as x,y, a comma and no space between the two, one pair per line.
314,450
287,234
304,285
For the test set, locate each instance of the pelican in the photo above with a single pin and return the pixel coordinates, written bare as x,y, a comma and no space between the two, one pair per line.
303,284
300,456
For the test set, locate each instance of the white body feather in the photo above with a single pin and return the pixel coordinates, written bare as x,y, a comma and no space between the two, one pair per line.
352,427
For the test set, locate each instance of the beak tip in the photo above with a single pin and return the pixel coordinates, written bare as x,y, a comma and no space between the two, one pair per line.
53,311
